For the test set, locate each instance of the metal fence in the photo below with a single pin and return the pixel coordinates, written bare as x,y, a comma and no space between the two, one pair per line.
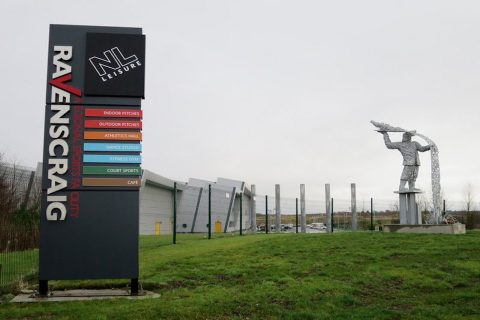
19,207
371,213
19,253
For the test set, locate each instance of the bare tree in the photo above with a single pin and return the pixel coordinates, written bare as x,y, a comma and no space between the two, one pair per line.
425,203
468,197
18,216
425,206
394,206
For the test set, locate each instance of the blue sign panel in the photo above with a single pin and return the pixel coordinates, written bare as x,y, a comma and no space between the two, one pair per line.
112,147
112,158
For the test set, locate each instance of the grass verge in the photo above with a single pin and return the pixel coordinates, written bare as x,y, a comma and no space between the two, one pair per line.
287,276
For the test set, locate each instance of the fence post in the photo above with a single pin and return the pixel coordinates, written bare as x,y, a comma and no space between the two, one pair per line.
331,210
371,215
210,211
278,221
302,209
241,213
266,214
328,213
354,206
174,212
296,215
253,223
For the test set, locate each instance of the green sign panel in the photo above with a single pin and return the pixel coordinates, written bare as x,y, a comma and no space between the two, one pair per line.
115,171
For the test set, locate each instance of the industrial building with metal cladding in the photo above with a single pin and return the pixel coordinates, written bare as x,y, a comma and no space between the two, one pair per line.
156,203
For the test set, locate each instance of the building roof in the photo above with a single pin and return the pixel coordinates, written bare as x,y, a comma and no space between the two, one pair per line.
160,181
223,184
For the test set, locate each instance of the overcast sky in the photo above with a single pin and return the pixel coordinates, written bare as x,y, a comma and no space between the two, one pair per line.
274,91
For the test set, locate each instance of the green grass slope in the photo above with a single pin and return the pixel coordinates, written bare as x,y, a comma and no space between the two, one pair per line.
305,276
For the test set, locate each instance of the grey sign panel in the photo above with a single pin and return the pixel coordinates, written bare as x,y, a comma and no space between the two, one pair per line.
100,242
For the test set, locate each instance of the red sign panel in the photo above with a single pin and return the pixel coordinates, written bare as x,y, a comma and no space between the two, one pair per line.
113,124
113,113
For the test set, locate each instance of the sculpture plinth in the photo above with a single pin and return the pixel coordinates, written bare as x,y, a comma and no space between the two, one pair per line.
409,213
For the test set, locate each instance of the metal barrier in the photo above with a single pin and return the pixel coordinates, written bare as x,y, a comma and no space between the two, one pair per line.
19,221
18,253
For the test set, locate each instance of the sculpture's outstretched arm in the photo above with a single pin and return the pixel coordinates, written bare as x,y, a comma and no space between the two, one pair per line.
423,148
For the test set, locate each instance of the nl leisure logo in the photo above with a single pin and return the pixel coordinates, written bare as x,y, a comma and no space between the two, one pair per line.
114,64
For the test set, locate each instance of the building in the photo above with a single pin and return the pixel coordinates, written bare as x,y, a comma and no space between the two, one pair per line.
226,196
157,197
156,203
19,185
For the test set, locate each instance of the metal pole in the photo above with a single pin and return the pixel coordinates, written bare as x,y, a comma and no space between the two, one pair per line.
296,215
354,206
43,288
444,207
331,208
253,224
174,213
278,221
303,215
266,214
241,212
210,211
371,215
328,209
134,287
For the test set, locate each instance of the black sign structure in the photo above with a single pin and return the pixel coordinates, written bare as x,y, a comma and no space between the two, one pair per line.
89,223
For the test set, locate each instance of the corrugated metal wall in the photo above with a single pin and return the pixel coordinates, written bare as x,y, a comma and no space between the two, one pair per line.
234,221
193,209
187,206
156,206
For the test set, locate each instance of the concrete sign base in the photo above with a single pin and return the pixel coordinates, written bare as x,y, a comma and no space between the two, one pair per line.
76,295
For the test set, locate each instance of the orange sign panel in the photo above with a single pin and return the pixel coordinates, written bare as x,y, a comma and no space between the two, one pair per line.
111,135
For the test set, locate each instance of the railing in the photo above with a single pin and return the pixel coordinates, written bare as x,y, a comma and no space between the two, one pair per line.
19,236
18,253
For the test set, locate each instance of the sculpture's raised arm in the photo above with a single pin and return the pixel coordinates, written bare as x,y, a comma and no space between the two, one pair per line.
389,144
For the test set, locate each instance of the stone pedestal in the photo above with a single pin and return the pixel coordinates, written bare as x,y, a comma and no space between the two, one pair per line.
408,207
456,228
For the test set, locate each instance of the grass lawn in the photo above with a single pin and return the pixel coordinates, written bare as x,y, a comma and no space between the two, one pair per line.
306,276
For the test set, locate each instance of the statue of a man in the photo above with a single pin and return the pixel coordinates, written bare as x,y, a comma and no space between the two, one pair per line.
411,159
